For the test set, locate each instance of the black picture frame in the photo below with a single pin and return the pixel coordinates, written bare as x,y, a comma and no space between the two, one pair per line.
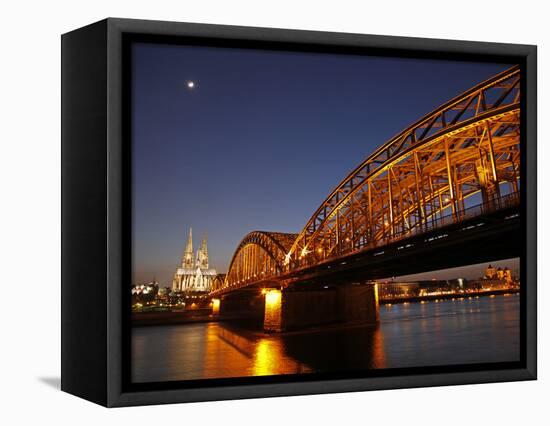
96,202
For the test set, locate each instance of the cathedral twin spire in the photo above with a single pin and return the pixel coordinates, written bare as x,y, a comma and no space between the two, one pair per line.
189,261
188,258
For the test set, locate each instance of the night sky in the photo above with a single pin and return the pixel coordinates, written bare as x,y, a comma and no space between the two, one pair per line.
261,139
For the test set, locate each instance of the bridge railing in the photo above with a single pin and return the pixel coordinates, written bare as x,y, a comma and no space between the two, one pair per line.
490,206
431,224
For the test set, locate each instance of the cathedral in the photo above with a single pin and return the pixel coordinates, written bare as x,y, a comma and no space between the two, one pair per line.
194,275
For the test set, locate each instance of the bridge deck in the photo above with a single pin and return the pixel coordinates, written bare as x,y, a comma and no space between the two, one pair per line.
475,240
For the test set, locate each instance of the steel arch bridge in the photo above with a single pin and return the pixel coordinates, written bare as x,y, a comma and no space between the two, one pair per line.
462,155
258,256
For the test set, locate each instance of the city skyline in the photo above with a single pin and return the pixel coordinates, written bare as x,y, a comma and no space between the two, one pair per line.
470,272
196,149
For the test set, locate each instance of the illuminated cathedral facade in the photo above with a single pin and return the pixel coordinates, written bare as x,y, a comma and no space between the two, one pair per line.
194,274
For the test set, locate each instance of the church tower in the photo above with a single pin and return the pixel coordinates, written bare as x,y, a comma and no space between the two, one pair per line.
188,261
202,255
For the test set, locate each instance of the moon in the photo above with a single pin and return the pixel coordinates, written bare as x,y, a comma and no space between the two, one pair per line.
190,84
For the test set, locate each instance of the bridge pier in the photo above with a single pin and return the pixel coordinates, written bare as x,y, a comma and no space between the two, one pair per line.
247,306
296,308
293,309
216,307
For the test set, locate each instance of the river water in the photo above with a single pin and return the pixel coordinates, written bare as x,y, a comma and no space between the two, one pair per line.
476,330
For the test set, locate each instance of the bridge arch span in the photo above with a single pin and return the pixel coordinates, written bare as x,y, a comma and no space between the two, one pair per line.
259,255
459,161
467,149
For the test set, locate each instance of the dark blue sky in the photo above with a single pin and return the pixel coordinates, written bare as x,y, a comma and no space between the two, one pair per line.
261,139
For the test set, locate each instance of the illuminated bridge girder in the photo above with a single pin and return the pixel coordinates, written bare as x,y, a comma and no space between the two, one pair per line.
424,187
469,145
258,256
464,154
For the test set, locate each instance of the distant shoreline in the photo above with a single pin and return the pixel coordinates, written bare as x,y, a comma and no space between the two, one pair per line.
416,299
146,319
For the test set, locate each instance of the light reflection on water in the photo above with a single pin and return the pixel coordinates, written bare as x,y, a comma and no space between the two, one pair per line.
444,333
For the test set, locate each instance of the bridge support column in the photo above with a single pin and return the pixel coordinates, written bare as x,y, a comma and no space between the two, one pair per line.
216,307
241,306
293,309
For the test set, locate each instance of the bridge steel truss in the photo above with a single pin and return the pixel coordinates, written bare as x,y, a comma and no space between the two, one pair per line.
258,256
427,175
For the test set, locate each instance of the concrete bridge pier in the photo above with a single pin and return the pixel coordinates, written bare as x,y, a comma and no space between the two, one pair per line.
240,306
294,309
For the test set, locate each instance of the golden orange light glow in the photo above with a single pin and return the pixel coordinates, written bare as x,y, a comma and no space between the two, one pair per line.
273,305
273,298
265,358
215,306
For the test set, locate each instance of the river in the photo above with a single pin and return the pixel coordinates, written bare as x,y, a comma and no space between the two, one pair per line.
471,330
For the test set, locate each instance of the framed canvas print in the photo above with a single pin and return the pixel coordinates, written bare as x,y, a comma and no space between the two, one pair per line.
252,212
